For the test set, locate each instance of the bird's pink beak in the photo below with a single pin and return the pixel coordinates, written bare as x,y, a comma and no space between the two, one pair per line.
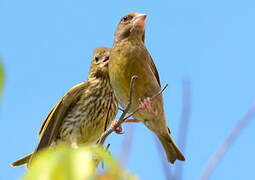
139,20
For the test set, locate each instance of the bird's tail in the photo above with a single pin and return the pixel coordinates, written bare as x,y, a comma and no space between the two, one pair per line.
22,161
172,151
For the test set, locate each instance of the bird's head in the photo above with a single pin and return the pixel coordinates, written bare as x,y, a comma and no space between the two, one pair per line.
99,64
131,26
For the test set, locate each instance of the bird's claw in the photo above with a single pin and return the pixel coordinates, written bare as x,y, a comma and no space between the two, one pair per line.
146,104
118,129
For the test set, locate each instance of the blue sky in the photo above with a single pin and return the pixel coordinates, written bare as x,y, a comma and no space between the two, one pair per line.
47,46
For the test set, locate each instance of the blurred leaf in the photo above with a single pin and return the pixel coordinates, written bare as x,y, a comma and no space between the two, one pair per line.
61,163
68,163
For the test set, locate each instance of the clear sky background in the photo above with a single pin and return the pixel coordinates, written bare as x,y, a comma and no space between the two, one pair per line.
47,47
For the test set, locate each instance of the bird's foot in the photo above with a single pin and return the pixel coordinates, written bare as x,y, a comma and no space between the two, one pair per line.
146,105
118,129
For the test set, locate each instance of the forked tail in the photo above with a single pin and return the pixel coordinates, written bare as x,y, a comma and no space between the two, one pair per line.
171,150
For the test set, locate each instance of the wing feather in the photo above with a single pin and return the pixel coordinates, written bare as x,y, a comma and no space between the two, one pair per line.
52,123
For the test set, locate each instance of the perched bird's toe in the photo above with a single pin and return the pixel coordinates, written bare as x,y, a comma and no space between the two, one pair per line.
146,105
118,129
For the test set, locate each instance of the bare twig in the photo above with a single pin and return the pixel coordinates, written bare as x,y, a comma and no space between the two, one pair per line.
126,146
125,111
107,150
182,135
121,119
138,108
165,165
120,109
183,126
227,143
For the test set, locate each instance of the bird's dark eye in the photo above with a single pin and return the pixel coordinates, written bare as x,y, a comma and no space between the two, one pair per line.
125,18
96,58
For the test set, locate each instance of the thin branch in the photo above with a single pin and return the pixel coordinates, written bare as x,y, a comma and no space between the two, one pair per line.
164,163
121,119
107,150
126,146
153,97
183,126
120,109
227,143
166,168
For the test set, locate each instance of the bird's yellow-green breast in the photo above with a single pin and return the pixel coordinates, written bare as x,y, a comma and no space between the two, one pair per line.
130,58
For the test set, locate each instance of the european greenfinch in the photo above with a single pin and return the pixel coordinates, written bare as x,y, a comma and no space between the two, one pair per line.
84,112
130,57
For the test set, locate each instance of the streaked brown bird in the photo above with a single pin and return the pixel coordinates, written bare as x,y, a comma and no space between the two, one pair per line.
130,57
84,112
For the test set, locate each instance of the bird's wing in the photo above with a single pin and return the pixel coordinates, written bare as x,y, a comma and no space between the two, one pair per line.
53,121
45,120
154,69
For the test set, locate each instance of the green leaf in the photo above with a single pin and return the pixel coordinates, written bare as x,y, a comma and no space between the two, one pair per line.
61,163
66,163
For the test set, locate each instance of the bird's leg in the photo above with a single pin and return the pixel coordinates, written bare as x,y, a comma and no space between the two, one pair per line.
118,130
131,120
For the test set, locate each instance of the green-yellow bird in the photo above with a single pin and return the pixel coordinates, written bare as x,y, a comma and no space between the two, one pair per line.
84,112
130,57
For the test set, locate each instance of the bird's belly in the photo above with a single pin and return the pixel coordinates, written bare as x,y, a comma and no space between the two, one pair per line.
83,129
85,125
121,71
